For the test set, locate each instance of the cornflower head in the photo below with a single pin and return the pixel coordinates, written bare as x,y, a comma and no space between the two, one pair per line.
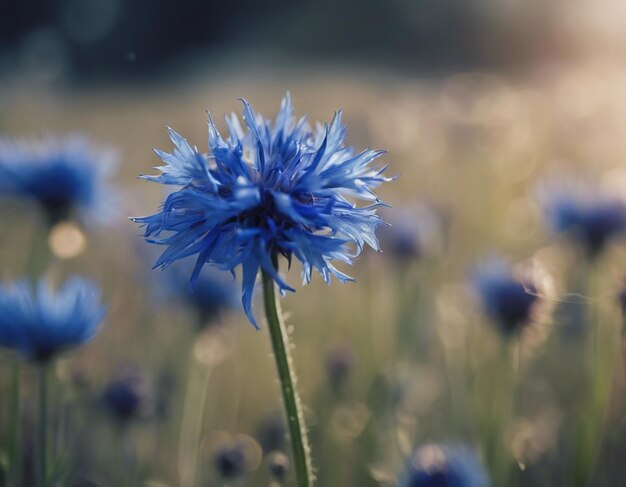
508,300
590,218
436,465
276,188
67,176
41,323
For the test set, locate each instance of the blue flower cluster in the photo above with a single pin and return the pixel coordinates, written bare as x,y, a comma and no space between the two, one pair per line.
39,325
444,466
67,176
277,188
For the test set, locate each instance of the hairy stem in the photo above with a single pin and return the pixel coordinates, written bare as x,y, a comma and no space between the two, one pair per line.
286,374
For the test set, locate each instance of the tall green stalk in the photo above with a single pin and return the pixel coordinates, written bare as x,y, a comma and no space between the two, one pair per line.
404,353
38,262
495,409
42,437
597,356
15,447
191,425
286,374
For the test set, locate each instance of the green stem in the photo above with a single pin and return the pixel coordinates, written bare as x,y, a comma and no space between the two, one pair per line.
191,427
587,412
15,432
402,343
43,425
284,364
39,253
495,407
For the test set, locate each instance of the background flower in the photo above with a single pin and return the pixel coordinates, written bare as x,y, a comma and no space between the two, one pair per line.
68,176
211,294
126,396
41,324
509,301
230,461
590,217
415,231
444,465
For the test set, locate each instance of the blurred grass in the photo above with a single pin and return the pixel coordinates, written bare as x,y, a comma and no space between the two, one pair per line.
472,145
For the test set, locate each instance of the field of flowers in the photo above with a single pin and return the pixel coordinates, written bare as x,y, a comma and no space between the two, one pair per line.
483,346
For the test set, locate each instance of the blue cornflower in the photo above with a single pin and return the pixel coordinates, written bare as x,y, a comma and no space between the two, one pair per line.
414,232
211,294
230,461
68,177
509,301
125,396
589,218
444,466
276,188
41,324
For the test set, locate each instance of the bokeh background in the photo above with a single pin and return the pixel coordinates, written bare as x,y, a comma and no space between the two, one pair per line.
476,102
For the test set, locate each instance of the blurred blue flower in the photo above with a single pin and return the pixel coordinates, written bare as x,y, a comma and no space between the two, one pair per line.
68,177
278,465
41,324
340,363
125,396
444,466
230,461
277,188
414,231
272,431
589,218
211,294
508,300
